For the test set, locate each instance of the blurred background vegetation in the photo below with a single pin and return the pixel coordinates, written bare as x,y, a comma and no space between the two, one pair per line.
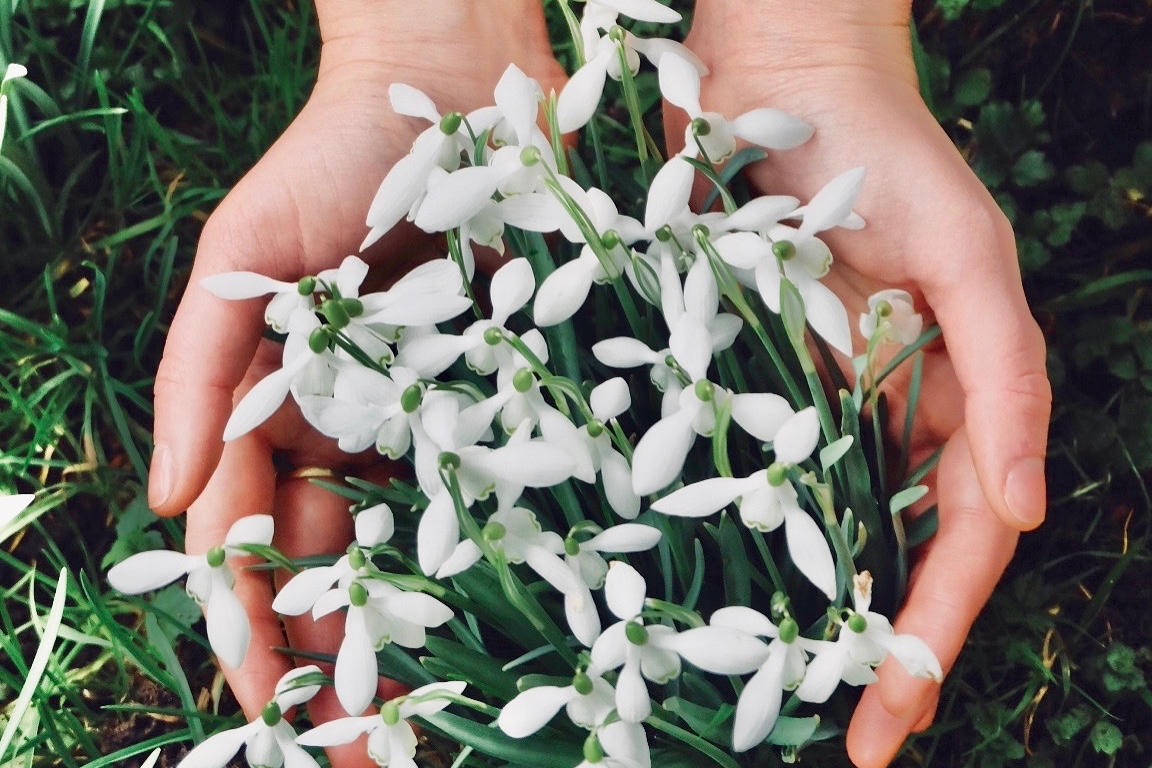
138,115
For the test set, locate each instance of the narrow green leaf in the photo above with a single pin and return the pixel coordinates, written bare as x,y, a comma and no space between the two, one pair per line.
545,750
906,498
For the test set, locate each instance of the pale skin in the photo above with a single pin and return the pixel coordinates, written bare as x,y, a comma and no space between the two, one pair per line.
932,229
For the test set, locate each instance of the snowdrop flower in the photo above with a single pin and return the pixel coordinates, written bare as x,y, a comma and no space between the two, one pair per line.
378,614
759,704
713,134
210,581
391,740
587,700
618,744
270,739
866,638
608,400
374,526
767,500
891,316
641,650
367,409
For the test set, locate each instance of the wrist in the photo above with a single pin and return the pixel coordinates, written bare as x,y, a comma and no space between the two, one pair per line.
815,15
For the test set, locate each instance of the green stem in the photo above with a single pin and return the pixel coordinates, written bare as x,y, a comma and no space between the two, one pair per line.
769,561
701,745
633,103
453,236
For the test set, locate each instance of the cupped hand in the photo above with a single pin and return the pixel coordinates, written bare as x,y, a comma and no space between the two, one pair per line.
933,230
301,209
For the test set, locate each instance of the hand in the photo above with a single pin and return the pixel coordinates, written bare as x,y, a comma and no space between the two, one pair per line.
299,210
933,230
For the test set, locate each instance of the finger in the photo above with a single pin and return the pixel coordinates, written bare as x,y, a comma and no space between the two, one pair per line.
243,484
314,521
875,735
953,581
928,716
998,352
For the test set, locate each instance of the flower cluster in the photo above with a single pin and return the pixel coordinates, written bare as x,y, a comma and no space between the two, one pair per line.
536,470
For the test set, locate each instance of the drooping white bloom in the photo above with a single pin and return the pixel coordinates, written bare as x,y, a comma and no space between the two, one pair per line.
866,638
367,409
270,739
891,316
640,650
587,701
378,614
210,581
391,740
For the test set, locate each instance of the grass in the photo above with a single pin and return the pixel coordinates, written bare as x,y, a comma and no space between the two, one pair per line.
138,115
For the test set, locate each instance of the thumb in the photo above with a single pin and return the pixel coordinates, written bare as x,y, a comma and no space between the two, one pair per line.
998,353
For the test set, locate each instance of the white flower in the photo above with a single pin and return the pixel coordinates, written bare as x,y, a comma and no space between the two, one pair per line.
270,739
587,700
866,638
641,650
378,614
367,409
391,740
891,316
210,581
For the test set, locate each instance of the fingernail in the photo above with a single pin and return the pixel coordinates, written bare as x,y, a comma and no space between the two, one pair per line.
1024,492
161,476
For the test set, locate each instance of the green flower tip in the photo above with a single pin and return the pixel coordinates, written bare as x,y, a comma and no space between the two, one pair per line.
701,127
356,558
271,714
582,683
523,380
701,232
857,623
319,339
449,460
493,336
411,397
335,312
352,307
664,234
593,752
571,547
306,285
390,712
357,594
450,123
529,156
704,390
789,630
617,34
777,474
883,308
610,239
494,531
215,557
595,428
636,633
783,249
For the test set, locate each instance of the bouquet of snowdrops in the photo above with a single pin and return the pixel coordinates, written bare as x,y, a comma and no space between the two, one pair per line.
636,529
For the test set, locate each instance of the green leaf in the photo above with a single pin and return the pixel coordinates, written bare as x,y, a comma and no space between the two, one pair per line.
793,731
833,452
1106,738
463,663
737,575
544,750
1066,725
906,498
973,87
1032,168
792,311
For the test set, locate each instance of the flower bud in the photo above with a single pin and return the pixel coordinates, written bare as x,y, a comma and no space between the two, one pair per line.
523,380
857,623
493,531
356,558
319,339
610,239
636,633
593,752
450,123
783,249
411,398
306,285
789,630
390,712
357,594
595,428
704,390
701,127
493,336
448,460
571,547
271,714
334,311
582,683
215,557
530,156
777,474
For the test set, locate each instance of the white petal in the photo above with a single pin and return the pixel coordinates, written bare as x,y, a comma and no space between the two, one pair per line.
412,102
624,352
660,454
680,84
720,650
14,71
455,198
723,330
632,701
823,674
772,128
243,285
431,355
707,496
701,297
304,589
761,414
342,731
744,250
263,400
643,10
553,570
581,94
629,537
531,710
438,533
401,188
809,550
466,554
827,316
609,649
330,601
355,675
227,623
761,213
536,464
744,619
289,693
583,619
617,478
146,571
563,292
374,525
691,345
217,749
914,654
412,708
832,205
418,608
669,192
624,589
796,438
295,756
533,211
759,705
517,96
511,288
610,399
251,529
768,284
